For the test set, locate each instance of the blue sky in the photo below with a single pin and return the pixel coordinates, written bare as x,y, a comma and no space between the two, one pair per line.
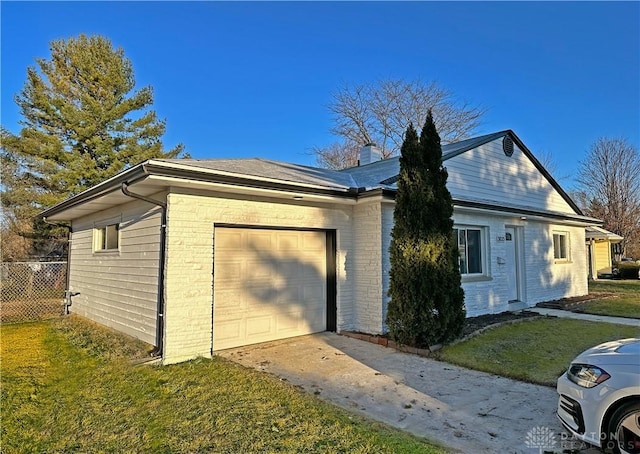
247,79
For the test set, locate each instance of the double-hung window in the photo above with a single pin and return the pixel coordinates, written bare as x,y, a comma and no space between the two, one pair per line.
561,246
106,238
470,248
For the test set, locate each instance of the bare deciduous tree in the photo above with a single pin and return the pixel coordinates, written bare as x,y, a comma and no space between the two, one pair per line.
337,155
380,113
609,183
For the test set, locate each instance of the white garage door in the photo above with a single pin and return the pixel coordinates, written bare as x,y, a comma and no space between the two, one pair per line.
268,284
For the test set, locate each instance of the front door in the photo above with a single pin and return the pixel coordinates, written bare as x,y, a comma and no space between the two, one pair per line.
512,264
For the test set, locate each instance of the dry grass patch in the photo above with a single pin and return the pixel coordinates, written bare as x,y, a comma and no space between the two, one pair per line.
70,386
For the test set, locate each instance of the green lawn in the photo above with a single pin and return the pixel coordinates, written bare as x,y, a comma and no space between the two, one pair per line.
627,286
625,303
536,351
68,386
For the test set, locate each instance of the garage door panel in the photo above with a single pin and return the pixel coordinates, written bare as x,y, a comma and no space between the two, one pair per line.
288,323
313,274
275,286
288,241
230,330
311,242
229,270
260,326
230,300
258,270
289,269
315,319
259,241
230,241
260,299
311,291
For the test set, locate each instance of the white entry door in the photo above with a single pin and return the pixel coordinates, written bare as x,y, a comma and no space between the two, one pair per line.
268,284
512,264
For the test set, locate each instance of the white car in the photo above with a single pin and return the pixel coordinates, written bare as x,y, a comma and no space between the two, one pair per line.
599,399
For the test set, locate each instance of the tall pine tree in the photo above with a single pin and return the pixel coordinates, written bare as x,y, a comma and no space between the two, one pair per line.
82,122
427,300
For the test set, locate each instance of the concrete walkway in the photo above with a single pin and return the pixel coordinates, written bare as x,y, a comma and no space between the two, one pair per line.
465,410
588,317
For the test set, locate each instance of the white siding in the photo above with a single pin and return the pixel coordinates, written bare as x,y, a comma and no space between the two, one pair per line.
544,279
118,289
487,174
189,281
548,279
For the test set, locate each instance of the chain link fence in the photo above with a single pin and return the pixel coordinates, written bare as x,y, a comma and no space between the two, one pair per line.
31,291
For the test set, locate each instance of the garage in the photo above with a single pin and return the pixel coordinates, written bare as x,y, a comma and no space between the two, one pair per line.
270,284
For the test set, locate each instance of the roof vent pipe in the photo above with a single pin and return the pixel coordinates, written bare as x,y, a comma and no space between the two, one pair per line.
369,153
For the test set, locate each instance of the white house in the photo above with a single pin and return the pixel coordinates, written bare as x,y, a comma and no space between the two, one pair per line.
195,256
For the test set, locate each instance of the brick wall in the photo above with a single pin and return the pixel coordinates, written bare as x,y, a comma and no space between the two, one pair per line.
189,281
367,266
363,235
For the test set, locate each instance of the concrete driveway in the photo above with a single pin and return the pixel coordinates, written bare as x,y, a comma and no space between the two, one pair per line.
465,410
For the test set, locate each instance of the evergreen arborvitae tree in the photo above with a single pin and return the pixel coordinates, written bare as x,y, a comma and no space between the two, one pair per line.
427,300
82,122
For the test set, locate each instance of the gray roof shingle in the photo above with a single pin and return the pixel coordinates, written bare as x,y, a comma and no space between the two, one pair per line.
277,170
380,174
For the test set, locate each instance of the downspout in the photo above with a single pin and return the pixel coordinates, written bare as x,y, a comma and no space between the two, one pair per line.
159,349
68,294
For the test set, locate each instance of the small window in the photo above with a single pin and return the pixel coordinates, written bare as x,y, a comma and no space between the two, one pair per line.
106,238
470,249
561,246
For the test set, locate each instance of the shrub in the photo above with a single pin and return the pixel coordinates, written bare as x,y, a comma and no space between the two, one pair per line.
627,270
427,301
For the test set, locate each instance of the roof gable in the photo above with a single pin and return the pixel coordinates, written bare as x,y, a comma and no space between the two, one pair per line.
514,177
523,168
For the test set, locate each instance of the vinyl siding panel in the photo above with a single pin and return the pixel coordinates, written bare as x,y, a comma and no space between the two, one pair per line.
118,288
487,174
549,279
602,255
542,277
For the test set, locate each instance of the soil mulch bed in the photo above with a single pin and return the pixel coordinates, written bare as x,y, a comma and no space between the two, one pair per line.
573,304
473,324
576,303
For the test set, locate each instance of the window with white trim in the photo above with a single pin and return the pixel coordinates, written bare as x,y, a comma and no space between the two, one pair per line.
106,238
471,249
561,246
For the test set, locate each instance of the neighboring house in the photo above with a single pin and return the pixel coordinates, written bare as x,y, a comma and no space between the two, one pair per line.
599,251
255,250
